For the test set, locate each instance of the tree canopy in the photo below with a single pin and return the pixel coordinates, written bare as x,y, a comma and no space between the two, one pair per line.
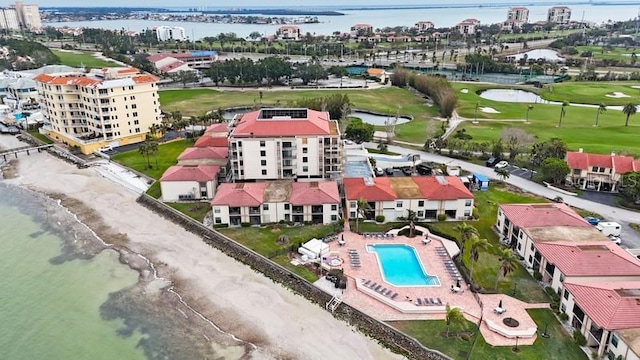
554,170
359,131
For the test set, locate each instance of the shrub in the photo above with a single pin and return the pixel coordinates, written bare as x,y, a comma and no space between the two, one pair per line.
220,226
405,232
537,276
579,338
465,337
564,317
245,224
380,218
442,217
475,214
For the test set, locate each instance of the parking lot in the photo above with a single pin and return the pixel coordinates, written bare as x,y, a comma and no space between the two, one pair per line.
520,172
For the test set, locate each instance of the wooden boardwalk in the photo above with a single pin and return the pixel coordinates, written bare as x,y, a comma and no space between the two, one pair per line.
23,149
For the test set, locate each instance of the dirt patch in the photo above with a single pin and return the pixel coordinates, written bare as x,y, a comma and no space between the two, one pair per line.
10,169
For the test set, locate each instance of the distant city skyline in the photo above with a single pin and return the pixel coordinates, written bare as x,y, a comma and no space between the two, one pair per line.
296,3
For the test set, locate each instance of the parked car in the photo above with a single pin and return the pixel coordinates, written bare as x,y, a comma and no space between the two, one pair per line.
501,165
592,220
609,228
492,161
558,199
106,148
388,171
379,172
615,239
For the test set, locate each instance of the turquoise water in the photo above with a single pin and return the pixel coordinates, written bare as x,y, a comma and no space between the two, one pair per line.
400,265
53,311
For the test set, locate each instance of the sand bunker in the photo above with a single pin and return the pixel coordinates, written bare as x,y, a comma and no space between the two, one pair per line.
636,86
464,91
617,95
489,110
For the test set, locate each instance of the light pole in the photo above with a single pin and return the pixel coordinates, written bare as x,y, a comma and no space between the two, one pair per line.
544,333
515,349
529,108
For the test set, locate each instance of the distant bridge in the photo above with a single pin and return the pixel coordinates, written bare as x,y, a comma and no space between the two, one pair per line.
23,149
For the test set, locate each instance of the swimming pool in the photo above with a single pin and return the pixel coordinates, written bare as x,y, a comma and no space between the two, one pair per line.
400,265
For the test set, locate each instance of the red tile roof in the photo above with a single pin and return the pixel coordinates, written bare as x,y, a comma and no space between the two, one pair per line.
314,193
585,161
157,57
219,127
442,187
144,78
379,189
611,305
174,65
596,258
545,214
239,194
316,123
196,153
210,141
200,173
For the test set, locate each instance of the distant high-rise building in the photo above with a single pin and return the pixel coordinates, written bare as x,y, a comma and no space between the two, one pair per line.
518,14
20,16
560,15
166,33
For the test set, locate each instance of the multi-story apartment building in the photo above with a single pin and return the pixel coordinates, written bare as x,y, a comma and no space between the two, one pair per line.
560,15
288,32
114,106
361,30
167,33
271,144
467,26
424,25
268,202
9,19
599,172
518,14
392,197
29,15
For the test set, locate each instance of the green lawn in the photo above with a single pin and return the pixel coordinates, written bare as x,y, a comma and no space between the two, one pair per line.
558,346
192,102
195,210
36,134
167,156
616,53
593,92
82,58
577,126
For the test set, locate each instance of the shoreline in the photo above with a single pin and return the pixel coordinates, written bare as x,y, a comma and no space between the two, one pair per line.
222,293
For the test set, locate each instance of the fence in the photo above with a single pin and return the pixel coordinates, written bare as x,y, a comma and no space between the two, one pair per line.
385,334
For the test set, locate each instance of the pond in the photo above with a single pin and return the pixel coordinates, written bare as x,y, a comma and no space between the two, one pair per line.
512,95
373,119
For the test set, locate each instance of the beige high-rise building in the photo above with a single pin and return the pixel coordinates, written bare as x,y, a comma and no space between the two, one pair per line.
9,19
28,15
110,106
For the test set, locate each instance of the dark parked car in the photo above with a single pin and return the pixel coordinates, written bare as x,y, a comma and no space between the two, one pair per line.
423,170
492,161
388,171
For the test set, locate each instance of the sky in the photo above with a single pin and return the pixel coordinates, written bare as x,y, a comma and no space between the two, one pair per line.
262,3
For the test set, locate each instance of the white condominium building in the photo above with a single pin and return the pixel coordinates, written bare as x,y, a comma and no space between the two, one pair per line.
166,33
560,15
114,106
9,19
271,144
518,14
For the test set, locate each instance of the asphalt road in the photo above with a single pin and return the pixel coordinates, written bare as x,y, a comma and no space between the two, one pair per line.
630,238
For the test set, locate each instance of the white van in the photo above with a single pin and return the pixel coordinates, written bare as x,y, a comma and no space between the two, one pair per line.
609,228
106,148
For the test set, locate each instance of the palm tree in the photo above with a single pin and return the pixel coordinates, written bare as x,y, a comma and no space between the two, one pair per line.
563,112
502,173
143,149
629,110
153,150
508,263
602,108
529,108
362,207
466,232
476,246
454,316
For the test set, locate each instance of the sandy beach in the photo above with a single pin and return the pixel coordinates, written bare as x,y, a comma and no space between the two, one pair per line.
274,322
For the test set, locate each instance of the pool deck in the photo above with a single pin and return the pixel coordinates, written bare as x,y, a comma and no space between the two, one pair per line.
404,306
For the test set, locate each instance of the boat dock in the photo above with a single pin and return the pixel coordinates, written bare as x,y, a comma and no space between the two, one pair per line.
23,149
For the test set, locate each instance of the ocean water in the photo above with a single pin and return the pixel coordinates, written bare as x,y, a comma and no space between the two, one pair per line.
66,295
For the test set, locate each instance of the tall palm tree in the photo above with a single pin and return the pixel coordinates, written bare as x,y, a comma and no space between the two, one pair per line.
629,110
502,173
362,207
476,245
529,108
563,112
466,232
454,316
143,149
153,150
602,108
508,263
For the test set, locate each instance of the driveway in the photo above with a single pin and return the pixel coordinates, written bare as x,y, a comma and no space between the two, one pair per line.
630,238
521,172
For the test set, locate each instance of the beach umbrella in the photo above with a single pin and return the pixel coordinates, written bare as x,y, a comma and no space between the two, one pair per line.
457,283
500,304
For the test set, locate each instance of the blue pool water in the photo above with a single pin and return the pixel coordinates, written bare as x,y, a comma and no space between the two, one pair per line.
400,265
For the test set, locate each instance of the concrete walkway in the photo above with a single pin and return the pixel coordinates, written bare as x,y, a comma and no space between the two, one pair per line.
629,237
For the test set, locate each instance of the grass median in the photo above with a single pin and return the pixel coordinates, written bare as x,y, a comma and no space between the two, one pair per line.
82,58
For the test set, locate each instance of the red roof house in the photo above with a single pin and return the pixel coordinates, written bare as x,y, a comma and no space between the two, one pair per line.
214,142
611,305
204,155
314,193
544,214
284,122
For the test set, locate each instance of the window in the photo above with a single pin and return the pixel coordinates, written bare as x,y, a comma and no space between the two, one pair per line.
305,150
531,247
530,258
263,162
467,203
286,206
216,210
576,171
134,106
421,203
519,246
566,294
305,168
614,340
563,308
264,172
594,169
467,213
137,130
420,214
353,204
334,207
135,114
136,122
398,204
334,217
263,153
265,206
262,143
305,159
218,220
